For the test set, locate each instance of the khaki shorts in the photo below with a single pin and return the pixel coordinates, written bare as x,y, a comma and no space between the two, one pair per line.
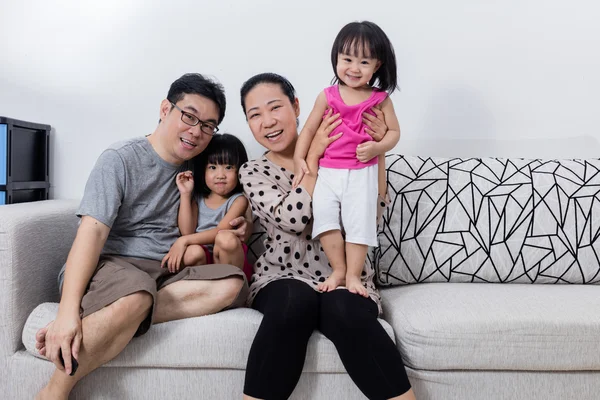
116,277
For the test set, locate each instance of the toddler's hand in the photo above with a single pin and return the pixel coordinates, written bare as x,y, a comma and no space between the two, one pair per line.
300,168
185,182
174,259
366,151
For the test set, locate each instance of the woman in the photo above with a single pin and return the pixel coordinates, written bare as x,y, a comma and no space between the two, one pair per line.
286,276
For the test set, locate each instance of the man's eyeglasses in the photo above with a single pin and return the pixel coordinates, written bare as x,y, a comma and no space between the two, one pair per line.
192,120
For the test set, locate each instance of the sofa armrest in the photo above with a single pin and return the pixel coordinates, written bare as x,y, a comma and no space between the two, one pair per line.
35,239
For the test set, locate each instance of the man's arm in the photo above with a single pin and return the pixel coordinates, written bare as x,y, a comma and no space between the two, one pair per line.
82,262
65,335
99,208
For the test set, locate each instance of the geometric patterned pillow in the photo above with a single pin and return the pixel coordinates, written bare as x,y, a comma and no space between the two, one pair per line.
490,220
256,241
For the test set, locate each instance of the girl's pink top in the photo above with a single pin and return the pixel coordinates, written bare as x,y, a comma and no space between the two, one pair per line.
341,153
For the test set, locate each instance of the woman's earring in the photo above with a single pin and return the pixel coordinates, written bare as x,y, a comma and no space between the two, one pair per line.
297,122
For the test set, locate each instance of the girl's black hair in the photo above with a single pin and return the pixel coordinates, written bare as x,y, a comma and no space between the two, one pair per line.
369,39
222,149
267,77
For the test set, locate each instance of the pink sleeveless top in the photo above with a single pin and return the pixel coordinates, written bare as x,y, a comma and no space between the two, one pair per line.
341,153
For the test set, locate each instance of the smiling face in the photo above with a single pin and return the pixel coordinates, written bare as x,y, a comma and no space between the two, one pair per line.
181,142
356,71
272,117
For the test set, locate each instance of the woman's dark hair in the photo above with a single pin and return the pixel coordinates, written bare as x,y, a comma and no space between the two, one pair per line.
267,77
200,85
222,149
369,39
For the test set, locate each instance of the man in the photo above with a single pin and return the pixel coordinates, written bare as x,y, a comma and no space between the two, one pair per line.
114,285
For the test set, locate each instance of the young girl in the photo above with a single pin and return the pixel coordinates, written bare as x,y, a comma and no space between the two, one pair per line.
210,199
345,195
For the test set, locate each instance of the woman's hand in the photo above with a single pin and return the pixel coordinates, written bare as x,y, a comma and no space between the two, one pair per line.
376,128
322,139
185,182
376,124
241,227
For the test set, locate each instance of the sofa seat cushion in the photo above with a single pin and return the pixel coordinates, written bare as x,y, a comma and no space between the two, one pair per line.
480,326
221,340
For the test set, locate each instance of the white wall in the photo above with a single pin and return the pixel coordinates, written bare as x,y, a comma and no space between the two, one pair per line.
478,78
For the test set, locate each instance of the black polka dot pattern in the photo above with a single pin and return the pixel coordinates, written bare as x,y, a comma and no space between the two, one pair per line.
286,213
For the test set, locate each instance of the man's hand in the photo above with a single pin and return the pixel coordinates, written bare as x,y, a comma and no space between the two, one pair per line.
64,336
174,258
185,182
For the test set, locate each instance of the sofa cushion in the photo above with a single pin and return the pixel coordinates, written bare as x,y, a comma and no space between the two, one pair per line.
220,340
454,326
490,220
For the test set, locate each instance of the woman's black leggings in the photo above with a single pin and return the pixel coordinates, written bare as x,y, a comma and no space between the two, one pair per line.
292,310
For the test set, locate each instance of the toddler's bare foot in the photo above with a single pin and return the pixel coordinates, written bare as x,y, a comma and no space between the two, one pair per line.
335,279
354,285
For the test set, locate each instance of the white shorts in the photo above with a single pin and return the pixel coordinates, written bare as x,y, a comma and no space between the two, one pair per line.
346,199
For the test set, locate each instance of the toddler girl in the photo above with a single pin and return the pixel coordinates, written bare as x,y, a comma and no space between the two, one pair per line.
345,195
209,200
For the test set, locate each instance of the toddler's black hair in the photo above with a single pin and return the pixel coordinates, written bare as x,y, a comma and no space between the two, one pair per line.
222,149
367,39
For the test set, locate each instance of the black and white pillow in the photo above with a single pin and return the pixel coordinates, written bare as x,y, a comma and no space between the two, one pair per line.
490,220
256,242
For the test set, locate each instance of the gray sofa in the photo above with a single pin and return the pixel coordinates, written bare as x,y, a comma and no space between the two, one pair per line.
462,336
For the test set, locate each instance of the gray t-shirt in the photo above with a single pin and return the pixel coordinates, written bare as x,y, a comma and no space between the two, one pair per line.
209,218
133,191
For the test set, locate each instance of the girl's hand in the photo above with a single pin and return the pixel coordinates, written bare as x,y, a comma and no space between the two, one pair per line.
376,124
174,258
322,139
300,168
185,182
367,151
